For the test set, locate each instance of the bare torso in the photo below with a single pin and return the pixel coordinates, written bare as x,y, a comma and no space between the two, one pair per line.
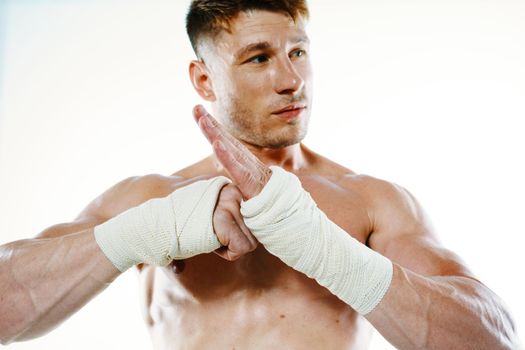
257,302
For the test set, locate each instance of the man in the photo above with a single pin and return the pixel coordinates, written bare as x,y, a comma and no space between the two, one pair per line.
254,69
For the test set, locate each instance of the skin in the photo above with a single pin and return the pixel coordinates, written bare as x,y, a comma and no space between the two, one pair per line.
242,296
46,279
434,301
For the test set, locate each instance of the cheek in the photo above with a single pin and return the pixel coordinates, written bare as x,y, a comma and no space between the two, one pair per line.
252,87
223,85
255,80
305,69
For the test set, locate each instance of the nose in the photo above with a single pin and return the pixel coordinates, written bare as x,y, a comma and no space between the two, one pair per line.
287,79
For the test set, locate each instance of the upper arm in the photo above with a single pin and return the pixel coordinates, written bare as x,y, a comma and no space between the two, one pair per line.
403,232
120,197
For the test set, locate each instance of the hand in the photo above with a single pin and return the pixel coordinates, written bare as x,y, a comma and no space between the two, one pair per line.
228,224
246,171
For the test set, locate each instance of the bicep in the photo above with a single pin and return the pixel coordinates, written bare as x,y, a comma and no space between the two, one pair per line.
78,225
124,195
420,253
403,232
95,213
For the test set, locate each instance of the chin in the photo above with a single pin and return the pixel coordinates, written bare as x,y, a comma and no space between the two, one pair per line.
281,141
284,143
271,135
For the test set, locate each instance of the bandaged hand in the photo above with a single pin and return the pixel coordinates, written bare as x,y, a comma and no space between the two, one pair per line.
286,220
178,226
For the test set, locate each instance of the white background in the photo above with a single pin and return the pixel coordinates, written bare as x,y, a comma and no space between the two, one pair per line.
428,94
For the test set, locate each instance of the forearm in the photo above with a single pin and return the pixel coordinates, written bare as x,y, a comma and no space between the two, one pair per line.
421,312
442,312
43,281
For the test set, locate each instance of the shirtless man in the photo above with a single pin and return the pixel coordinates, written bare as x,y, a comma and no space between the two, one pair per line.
254,68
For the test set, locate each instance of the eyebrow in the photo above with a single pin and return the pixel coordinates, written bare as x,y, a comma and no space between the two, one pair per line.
265,45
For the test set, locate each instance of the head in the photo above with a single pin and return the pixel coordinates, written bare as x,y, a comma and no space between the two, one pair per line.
253,66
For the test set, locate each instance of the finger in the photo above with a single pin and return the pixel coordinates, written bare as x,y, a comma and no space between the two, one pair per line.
239,244
229,146
205,124
245,169
233,251
230,234
221,216
245,230
248,181
238,172
232,203
214,131
223,253
209,126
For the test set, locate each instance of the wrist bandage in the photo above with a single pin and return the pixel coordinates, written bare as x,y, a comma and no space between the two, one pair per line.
286,220
162,229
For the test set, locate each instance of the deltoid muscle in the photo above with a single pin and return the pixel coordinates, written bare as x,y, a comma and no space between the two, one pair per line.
286,220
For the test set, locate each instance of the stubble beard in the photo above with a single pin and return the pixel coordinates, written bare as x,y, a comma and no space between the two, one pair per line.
245,126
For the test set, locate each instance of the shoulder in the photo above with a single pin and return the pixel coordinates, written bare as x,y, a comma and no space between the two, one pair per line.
125,194
131,192
390,205
135,190
392,210
400,228
378,192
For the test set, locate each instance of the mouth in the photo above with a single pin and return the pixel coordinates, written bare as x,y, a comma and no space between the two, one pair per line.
290,112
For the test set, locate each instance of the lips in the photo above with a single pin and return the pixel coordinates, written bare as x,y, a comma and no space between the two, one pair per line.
290,108
290,113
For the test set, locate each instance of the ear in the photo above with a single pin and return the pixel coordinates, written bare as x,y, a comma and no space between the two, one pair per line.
201,80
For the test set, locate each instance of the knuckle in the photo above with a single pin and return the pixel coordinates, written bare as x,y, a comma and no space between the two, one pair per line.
234,257
253,245
233,193
245,246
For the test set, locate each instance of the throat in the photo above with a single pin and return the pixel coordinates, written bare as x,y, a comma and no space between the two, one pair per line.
292,158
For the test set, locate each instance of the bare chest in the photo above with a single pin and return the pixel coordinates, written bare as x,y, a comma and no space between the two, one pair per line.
260,269
208,277
253,294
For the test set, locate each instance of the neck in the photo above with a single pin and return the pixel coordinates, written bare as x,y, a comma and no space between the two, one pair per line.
291,158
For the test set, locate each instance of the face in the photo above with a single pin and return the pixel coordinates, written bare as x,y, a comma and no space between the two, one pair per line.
261,79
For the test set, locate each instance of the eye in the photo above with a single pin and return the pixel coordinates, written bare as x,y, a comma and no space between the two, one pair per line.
298,53
258,59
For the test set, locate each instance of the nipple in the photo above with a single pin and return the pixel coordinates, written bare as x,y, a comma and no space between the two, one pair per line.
178,266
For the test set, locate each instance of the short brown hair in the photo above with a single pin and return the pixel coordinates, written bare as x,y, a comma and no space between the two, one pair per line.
210,17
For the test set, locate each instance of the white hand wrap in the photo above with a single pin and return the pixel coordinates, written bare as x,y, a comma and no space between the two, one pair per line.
162,229
286,220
